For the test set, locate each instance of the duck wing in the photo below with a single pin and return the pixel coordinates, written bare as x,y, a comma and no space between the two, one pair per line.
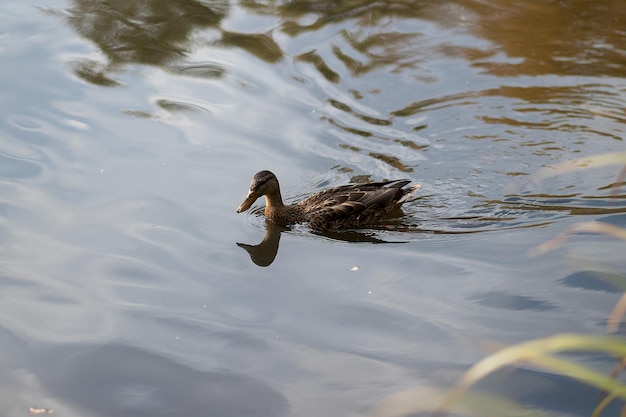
355,205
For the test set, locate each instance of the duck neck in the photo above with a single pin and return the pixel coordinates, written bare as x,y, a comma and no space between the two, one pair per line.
274,200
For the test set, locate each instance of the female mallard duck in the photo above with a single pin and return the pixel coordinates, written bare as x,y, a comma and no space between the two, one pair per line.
345,207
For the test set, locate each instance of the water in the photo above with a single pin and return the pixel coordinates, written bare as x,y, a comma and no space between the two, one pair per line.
130,132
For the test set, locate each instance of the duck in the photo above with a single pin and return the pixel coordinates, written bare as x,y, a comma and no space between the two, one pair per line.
344,207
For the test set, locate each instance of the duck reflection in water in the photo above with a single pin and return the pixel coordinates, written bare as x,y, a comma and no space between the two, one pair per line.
264,253
332,213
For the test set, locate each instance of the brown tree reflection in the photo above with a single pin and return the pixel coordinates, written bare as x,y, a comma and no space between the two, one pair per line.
376,50
574,37
560,37
154,32
147,32
372,40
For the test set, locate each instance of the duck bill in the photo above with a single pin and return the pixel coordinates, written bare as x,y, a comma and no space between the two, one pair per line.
251,198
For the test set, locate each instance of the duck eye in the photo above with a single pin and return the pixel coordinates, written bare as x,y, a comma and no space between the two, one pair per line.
258,184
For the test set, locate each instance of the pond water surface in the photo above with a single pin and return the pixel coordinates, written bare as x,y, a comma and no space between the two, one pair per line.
129,133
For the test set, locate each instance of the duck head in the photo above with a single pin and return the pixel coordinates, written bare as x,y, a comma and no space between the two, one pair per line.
263,183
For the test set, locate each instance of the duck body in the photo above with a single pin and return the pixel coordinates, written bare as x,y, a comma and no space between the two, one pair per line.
344,207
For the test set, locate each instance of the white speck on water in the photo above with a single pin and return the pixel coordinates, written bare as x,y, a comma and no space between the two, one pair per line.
355,268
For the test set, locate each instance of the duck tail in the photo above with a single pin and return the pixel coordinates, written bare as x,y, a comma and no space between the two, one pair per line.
408,192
